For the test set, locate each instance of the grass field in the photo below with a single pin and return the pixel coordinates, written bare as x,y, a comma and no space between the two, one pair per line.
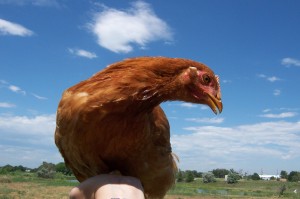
28,186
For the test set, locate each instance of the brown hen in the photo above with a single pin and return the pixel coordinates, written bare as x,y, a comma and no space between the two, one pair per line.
113,121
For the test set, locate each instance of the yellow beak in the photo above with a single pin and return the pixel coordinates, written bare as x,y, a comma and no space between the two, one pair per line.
215,103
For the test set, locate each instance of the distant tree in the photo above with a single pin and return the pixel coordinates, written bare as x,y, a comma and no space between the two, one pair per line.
283,174
62,168
46,170
220,173
196,174
208,177
189,176
34,170
245,175
19,168
180,176
294,176
6,169
255,176
199,174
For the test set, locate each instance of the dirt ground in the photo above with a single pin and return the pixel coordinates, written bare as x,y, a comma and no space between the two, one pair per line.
32,191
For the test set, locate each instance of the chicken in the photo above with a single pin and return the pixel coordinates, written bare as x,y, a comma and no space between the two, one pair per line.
113,121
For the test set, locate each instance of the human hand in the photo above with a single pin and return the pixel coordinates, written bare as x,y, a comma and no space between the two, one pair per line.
108,186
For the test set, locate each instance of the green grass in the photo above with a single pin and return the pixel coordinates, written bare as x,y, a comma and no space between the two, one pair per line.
59,180
244,188
30,185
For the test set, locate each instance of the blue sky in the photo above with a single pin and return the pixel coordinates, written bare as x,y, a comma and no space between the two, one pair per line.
47,46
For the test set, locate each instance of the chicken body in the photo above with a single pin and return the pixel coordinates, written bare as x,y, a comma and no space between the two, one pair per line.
113,121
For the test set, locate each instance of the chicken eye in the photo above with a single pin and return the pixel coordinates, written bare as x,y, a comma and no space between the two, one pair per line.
206,79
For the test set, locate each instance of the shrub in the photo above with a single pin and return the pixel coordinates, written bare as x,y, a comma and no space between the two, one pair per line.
208,177
282,188
233,178
45,173
46,170
255,176
189,177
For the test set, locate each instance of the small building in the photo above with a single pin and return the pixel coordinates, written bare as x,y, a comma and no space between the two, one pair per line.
268,177
225,178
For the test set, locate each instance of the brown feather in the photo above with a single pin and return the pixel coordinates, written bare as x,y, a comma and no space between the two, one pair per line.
113,121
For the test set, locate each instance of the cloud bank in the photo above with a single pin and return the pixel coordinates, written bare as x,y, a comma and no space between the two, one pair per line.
27,140
118,30
209,147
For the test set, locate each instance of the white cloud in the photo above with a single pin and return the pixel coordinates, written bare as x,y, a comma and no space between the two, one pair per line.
280,115
10,28
82,53
273,79
290,62
266,110
39,97
16,89
225,81
262,75
270,79
209,147
276,92
215,120
191,105
7,105
188,105
40,127
204,107
118,30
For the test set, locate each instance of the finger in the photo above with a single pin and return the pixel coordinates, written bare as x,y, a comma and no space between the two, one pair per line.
75,194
